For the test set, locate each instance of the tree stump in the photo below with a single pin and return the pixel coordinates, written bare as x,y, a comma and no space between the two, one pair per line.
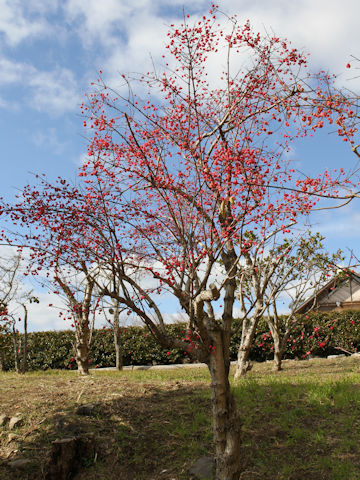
68,455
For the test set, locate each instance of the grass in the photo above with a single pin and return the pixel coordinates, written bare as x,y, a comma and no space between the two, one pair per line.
301,423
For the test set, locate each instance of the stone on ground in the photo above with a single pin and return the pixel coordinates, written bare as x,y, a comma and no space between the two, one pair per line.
203,469
15,422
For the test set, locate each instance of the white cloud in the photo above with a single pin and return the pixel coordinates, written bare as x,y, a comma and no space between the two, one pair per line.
338,225
42,317
54,91
95,21
129,32
22,20
47,138
325,28
11,72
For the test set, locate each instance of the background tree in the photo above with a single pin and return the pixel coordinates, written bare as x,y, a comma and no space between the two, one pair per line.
285,274
55,257
112,310
12,297
81,303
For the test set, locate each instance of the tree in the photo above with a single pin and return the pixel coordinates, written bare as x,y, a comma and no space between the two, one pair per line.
194,176
55,257
181,180
13,296
114,322
286,272
79,298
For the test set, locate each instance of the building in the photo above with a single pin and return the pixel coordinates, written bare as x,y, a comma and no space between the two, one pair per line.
341,293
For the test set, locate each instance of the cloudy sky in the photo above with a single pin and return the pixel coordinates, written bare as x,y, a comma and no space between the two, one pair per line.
51,50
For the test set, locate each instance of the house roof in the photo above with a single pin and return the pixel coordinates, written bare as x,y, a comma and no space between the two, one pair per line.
305,306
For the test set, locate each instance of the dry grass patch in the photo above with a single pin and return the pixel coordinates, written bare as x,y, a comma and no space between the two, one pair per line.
299,423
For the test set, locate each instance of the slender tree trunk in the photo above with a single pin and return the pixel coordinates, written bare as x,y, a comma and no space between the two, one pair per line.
82,335
16,351
24,356
243,363
226,422
279,344
277,351
118,349
117,341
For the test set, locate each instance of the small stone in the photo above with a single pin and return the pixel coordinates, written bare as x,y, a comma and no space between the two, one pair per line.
203,469
15,422
20,463
3,420
12,436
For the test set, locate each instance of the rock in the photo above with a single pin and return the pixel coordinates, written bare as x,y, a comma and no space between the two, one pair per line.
20,463
88,410
15,422
336,356
68,455
203,469
3,420
12,436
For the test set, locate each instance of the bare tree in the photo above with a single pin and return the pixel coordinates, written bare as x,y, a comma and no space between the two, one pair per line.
288,273
12,297
114,321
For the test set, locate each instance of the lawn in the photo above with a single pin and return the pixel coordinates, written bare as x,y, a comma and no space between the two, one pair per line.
301,423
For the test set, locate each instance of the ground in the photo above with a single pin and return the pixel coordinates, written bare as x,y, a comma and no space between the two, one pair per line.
301,423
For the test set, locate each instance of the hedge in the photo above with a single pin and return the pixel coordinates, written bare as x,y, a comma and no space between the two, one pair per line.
319,334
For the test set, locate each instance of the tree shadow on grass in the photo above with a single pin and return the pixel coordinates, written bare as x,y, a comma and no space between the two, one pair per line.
157,434
292,429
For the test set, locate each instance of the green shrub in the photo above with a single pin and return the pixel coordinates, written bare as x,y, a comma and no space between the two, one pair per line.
318,334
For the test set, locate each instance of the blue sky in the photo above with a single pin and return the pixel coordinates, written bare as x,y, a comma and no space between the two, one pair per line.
51,50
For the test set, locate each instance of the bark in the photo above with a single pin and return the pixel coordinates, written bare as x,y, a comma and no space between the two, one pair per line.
16,350
82,335
24,359
81,311
277,351
279,343
117,341
118,349
226,422
243,363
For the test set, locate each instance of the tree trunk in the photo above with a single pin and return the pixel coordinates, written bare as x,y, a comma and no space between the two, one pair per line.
16,351
277,351
243,363
24,356
226,422
117,342
82,335
118,349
